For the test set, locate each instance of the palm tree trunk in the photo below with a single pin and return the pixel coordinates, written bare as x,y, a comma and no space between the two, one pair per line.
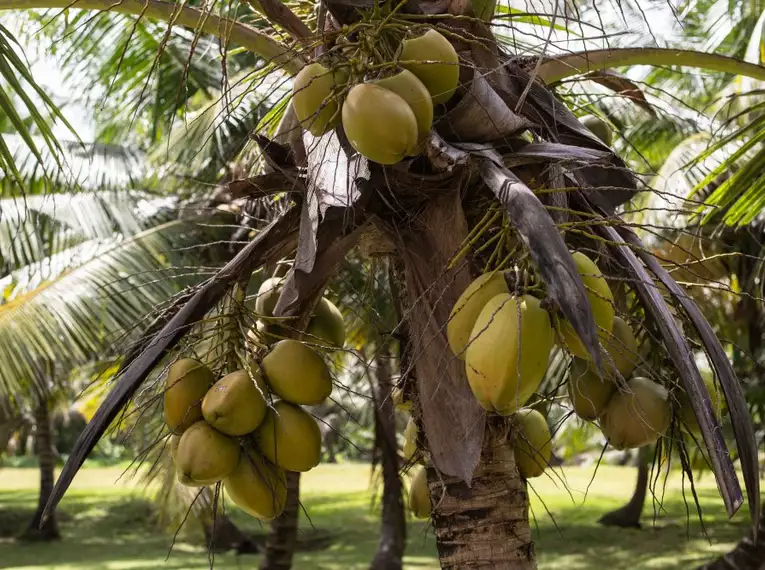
628,516
749,553
390,549
484,526
282,539
47,530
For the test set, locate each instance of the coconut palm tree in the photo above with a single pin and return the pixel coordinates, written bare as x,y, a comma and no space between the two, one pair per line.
508,178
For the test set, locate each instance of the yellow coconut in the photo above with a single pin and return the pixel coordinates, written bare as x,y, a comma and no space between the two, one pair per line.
469,306
327,326
410,439
257,487
502,374
296,373
433,59
290,437
315,98
686,414
187,383
601,302
622,348
599,128
419,496
533,444
236,404
589,393
637,416
205,455
379,124
406,85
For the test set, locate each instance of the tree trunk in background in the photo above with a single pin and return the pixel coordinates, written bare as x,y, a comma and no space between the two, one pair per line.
282,539
485,526
628,516
221,534
390,549
749,553
45,453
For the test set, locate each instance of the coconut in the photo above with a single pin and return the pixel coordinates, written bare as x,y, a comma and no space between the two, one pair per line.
296,373
187,383
315,100
533,444
257,487
327,327
637,416
205,455
469,306
379,124
622,349
687,416
236,404
503,380
601,302
268,295
290,437
589,393
599,128
419,496
406,85
433,59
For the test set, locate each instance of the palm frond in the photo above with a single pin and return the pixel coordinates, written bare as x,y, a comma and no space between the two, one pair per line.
22,113
79,315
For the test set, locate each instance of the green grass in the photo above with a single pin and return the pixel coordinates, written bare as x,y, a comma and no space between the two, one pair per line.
109,525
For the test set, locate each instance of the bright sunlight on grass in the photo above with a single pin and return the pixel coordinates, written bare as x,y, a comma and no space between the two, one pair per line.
109,525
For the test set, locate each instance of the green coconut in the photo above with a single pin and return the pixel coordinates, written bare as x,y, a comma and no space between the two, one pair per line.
599,128
296,373
327,326
686,414
379,124
315,98
433,59
186,384
290,437
268,295
205,455
419,496
533,444
236,404
589,393
257,487
406,85
622,348
503,380
638,416
469,306
601,303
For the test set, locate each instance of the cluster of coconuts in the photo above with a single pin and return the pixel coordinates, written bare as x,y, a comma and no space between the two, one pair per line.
488,315
249,427
385,117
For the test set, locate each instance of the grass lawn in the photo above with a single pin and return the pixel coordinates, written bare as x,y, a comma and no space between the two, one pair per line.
109,525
